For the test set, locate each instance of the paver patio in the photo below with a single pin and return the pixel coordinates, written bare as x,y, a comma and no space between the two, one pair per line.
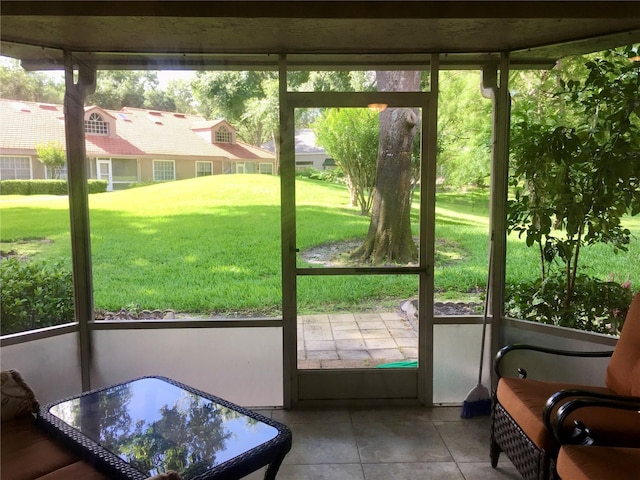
355,340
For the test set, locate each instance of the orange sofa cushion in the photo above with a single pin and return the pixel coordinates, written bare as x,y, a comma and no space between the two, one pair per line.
598,463
28,454
626,356
524,400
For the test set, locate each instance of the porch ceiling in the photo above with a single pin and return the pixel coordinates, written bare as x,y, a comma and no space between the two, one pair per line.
244,34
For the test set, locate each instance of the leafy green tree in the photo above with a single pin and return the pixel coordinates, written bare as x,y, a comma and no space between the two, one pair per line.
116,89
577,167
227,94
350,137
18,84
181,92
53,156
464,130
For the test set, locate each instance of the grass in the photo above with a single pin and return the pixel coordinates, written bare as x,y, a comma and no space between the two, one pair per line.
212,246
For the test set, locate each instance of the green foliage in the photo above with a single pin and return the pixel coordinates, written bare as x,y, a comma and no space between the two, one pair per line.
598,306
18,84
97,186
350,137
34,295
334,175
46,187
575,178
33,187
464,130
53,157
116,89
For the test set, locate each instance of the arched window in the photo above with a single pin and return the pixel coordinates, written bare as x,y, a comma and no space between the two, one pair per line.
96,124
223,135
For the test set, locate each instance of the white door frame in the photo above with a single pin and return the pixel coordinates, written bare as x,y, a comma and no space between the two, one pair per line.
107,162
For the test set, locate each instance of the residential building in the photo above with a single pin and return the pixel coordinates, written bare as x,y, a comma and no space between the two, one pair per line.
127,146
308,153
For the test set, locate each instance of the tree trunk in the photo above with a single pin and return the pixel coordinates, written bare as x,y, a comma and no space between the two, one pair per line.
389,239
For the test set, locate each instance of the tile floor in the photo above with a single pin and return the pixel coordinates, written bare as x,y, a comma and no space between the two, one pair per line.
398,443
355,340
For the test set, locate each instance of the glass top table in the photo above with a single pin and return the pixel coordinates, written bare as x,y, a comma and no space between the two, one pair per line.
151,425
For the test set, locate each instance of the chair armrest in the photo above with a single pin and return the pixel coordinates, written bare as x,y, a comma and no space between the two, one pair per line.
502,353
555,400
581,434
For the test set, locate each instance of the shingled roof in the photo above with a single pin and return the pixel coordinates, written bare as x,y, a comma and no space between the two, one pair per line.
138,132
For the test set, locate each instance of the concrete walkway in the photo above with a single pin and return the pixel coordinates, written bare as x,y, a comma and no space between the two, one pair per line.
355,340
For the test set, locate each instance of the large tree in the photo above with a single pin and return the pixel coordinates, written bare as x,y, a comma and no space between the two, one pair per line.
18,84
389,239
117,89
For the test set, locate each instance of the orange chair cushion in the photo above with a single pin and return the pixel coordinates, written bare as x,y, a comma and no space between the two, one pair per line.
598,463
626,356
28,454
524,400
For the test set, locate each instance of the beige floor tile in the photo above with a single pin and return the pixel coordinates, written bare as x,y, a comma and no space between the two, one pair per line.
377,343
409,352
467,440
322,355
483,471
353,344
412,471
389,354
390,414
371,325
400,442
322,442
335,326
368,317
341,317
314,318
349,471
353,354
314,345
347,334
375,333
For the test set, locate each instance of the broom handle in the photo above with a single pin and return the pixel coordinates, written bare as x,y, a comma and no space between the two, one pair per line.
486,308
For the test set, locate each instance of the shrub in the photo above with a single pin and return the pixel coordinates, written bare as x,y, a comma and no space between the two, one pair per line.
331,176
97,186
46,187
598,306
34,295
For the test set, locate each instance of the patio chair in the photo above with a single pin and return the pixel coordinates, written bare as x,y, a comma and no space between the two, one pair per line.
592,458
522,408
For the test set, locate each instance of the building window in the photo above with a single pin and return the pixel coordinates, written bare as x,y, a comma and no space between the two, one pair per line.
96,125
204,169
15,168
223,135
164,170
266,168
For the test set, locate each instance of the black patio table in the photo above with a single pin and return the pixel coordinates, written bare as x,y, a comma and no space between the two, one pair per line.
149,425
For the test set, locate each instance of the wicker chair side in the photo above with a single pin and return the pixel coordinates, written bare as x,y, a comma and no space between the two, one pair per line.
532,462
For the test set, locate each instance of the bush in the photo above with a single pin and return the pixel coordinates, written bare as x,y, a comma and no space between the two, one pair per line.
46,187
597,306
331,176
34,295
97,186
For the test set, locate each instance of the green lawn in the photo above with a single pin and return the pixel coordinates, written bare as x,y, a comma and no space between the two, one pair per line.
212,245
